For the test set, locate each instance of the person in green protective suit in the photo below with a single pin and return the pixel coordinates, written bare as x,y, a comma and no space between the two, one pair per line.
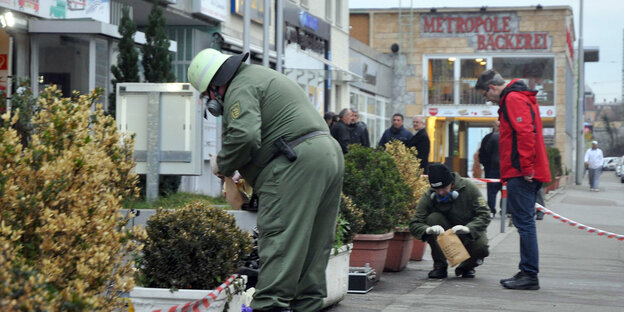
454,203
281,145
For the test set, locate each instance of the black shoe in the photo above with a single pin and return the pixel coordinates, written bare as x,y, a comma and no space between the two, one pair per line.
438,273
522,281
465,273
504,280
539,215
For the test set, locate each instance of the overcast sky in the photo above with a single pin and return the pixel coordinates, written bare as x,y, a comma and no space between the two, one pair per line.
603,27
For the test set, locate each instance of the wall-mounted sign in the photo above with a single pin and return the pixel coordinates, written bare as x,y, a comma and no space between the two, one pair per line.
308,21
216,9
485,31
476,111
257,9
98,10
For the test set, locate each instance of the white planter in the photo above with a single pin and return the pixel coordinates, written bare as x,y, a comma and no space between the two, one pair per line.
146,299
337,275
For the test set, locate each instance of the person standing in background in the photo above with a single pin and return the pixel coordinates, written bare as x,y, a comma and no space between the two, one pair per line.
359,131
593,162
341,130
395,132
420,141
489,157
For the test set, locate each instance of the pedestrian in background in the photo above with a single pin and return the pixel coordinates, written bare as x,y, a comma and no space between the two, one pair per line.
489,157
420,141
359,130
454,203
276,139
524,165
341,130
593,162
330,119
395,132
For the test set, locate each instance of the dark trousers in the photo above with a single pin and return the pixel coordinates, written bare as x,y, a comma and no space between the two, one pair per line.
521,196
477,248
492,192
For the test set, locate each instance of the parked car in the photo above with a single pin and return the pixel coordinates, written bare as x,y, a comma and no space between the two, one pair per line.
619,167
608,163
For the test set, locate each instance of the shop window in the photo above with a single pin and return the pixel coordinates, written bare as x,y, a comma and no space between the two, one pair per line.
440,81
537,72
470,69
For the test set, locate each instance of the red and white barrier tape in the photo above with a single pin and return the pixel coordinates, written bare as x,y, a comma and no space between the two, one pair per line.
201,304
580,226
488,180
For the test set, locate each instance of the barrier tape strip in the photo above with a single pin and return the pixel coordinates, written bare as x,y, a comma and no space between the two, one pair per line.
580,226
201,304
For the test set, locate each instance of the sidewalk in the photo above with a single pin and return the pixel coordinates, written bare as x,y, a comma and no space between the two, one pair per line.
579,270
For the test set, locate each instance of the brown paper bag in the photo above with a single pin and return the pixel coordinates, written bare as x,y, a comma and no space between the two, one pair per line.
452,247
232,195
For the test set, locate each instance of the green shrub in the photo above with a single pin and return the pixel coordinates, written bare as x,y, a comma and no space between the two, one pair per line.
195,247
374,183
554,162
63,246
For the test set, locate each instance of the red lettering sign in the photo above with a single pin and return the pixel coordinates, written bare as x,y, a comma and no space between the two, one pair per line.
429,25
433,111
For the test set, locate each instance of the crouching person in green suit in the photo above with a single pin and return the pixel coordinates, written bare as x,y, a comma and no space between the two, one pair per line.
454,203
281,145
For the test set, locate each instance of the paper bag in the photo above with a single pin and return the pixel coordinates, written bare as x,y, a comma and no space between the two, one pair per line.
452,247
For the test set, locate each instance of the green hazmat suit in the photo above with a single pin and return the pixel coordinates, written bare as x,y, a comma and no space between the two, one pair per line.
469,209
298,201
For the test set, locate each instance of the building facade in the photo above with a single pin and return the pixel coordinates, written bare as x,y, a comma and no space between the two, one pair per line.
74,43
440,53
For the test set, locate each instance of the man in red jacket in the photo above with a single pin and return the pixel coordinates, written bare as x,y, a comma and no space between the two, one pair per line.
523,165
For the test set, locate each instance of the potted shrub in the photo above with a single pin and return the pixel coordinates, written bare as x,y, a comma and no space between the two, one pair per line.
402,244
374,183
554,163
189,250
64,171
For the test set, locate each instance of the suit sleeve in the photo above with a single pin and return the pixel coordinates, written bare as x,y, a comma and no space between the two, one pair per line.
241,130
522,119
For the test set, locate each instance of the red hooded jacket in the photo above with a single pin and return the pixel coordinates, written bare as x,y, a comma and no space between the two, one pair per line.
522,149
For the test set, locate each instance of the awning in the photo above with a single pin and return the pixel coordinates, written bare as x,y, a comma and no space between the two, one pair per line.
85,27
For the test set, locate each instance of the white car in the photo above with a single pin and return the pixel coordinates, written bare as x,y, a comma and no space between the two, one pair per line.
609,163
619,167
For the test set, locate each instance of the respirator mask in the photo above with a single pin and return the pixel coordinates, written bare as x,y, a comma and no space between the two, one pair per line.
450,197
214,106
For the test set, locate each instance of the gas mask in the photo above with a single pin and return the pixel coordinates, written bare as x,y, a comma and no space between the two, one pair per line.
450,197
215,106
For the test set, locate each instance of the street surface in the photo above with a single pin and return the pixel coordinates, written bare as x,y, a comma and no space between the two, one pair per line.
579,271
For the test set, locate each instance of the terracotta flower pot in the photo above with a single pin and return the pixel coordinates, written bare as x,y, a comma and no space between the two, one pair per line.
399,251
372,249
418,249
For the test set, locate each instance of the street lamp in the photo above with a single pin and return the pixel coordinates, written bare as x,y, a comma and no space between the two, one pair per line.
7,20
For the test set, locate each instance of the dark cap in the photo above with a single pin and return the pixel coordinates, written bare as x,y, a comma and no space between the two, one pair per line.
485,79
228,69
439,175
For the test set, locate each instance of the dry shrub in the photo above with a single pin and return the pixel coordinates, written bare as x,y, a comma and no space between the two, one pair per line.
409,168
62,242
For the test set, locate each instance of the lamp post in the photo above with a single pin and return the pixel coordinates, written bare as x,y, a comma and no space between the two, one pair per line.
580,140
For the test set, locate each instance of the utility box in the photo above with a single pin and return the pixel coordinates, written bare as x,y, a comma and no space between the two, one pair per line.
166,119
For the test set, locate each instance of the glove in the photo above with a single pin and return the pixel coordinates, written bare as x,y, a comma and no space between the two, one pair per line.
213,165
436,229
460,229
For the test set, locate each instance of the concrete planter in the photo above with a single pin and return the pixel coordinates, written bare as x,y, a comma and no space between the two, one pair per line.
337,275
146,299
